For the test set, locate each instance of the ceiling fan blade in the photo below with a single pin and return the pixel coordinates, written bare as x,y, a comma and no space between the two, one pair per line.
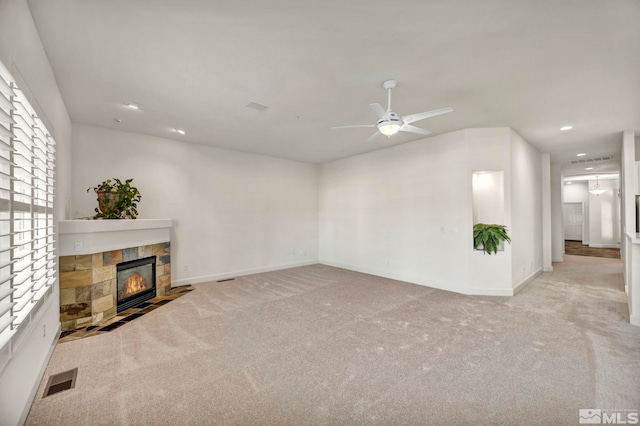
414,129
408,119
380,112
355,125
373,137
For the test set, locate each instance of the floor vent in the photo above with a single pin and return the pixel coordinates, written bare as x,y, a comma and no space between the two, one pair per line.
228,279
61,382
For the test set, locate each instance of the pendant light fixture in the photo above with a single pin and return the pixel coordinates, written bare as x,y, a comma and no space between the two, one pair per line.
596,190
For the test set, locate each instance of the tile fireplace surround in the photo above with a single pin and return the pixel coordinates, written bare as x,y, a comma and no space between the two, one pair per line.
89,251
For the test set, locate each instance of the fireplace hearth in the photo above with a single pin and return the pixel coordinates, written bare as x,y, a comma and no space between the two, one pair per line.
136,282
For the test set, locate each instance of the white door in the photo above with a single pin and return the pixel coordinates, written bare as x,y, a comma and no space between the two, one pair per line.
573,221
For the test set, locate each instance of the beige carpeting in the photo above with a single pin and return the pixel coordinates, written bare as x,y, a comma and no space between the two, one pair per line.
323,346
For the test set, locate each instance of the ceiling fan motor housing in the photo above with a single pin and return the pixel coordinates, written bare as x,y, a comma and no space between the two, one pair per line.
390,120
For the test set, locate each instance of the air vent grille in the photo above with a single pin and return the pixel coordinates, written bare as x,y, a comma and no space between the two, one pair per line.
61,382
257,106
592,160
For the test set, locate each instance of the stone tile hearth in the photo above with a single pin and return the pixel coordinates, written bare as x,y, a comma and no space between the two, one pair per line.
88,283
126,316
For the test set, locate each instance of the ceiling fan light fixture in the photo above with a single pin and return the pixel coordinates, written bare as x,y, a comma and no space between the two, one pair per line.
388,129
389,123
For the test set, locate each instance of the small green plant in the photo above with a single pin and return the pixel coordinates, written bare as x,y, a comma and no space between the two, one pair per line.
487,237
116,200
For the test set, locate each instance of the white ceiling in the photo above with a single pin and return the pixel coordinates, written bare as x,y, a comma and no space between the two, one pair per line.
195,64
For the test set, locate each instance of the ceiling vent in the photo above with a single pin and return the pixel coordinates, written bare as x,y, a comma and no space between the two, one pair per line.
257,106
592,160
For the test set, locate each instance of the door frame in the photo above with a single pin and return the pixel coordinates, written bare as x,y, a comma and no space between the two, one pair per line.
582,240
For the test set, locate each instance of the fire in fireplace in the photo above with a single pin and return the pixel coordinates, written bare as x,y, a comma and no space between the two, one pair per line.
136,282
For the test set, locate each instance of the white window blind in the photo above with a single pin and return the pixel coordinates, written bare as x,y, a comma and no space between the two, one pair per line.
27,163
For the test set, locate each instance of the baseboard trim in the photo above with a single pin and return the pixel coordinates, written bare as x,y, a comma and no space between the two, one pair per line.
605,246
557,259
470,291
519,287
635,320
225,275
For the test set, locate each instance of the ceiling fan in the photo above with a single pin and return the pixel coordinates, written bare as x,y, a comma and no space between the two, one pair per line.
389,123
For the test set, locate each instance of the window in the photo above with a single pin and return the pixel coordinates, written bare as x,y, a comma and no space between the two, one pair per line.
27,162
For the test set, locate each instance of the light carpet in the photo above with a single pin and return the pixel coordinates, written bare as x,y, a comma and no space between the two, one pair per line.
318,345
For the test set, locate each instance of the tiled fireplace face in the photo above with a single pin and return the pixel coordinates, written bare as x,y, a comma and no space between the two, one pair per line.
88,283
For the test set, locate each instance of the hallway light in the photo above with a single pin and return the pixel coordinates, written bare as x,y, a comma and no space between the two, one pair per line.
597,191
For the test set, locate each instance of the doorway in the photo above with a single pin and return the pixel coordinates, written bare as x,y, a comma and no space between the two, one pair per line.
573,221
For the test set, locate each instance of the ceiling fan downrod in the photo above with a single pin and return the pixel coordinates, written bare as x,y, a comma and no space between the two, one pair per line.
389,84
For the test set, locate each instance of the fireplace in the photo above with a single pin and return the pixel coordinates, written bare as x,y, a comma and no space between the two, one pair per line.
136,282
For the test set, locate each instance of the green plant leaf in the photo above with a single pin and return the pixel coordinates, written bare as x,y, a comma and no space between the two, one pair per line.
489,237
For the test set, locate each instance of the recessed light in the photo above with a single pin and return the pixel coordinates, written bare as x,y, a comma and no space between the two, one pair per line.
132,105
569,183
182,132
582,154
563,128
588,168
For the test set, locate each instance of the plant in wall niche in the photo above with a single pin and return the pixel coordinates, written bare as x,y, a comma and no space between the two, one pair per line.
487,237
116,200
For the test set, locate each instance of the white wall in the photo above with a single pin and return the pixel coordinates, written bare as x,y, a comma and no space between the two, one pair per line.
631,242
526,210
233,213
547,243
604,215
557,214
401,212
405,212
489,149
22,53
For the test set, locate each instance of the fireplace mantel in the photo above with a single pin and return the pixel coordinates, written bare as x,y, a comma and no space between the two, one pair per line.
94,236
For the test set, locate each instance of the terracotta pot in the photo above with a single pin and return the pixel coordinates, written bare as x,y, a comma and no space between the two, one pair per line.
107,200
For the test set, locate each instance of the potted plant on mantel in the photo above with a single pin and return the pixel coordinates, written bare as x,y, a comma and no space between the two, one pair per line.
116,200
487,237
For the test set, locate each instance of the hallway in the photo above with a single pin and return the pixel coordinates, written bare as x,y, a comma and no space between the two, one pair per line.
576,248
